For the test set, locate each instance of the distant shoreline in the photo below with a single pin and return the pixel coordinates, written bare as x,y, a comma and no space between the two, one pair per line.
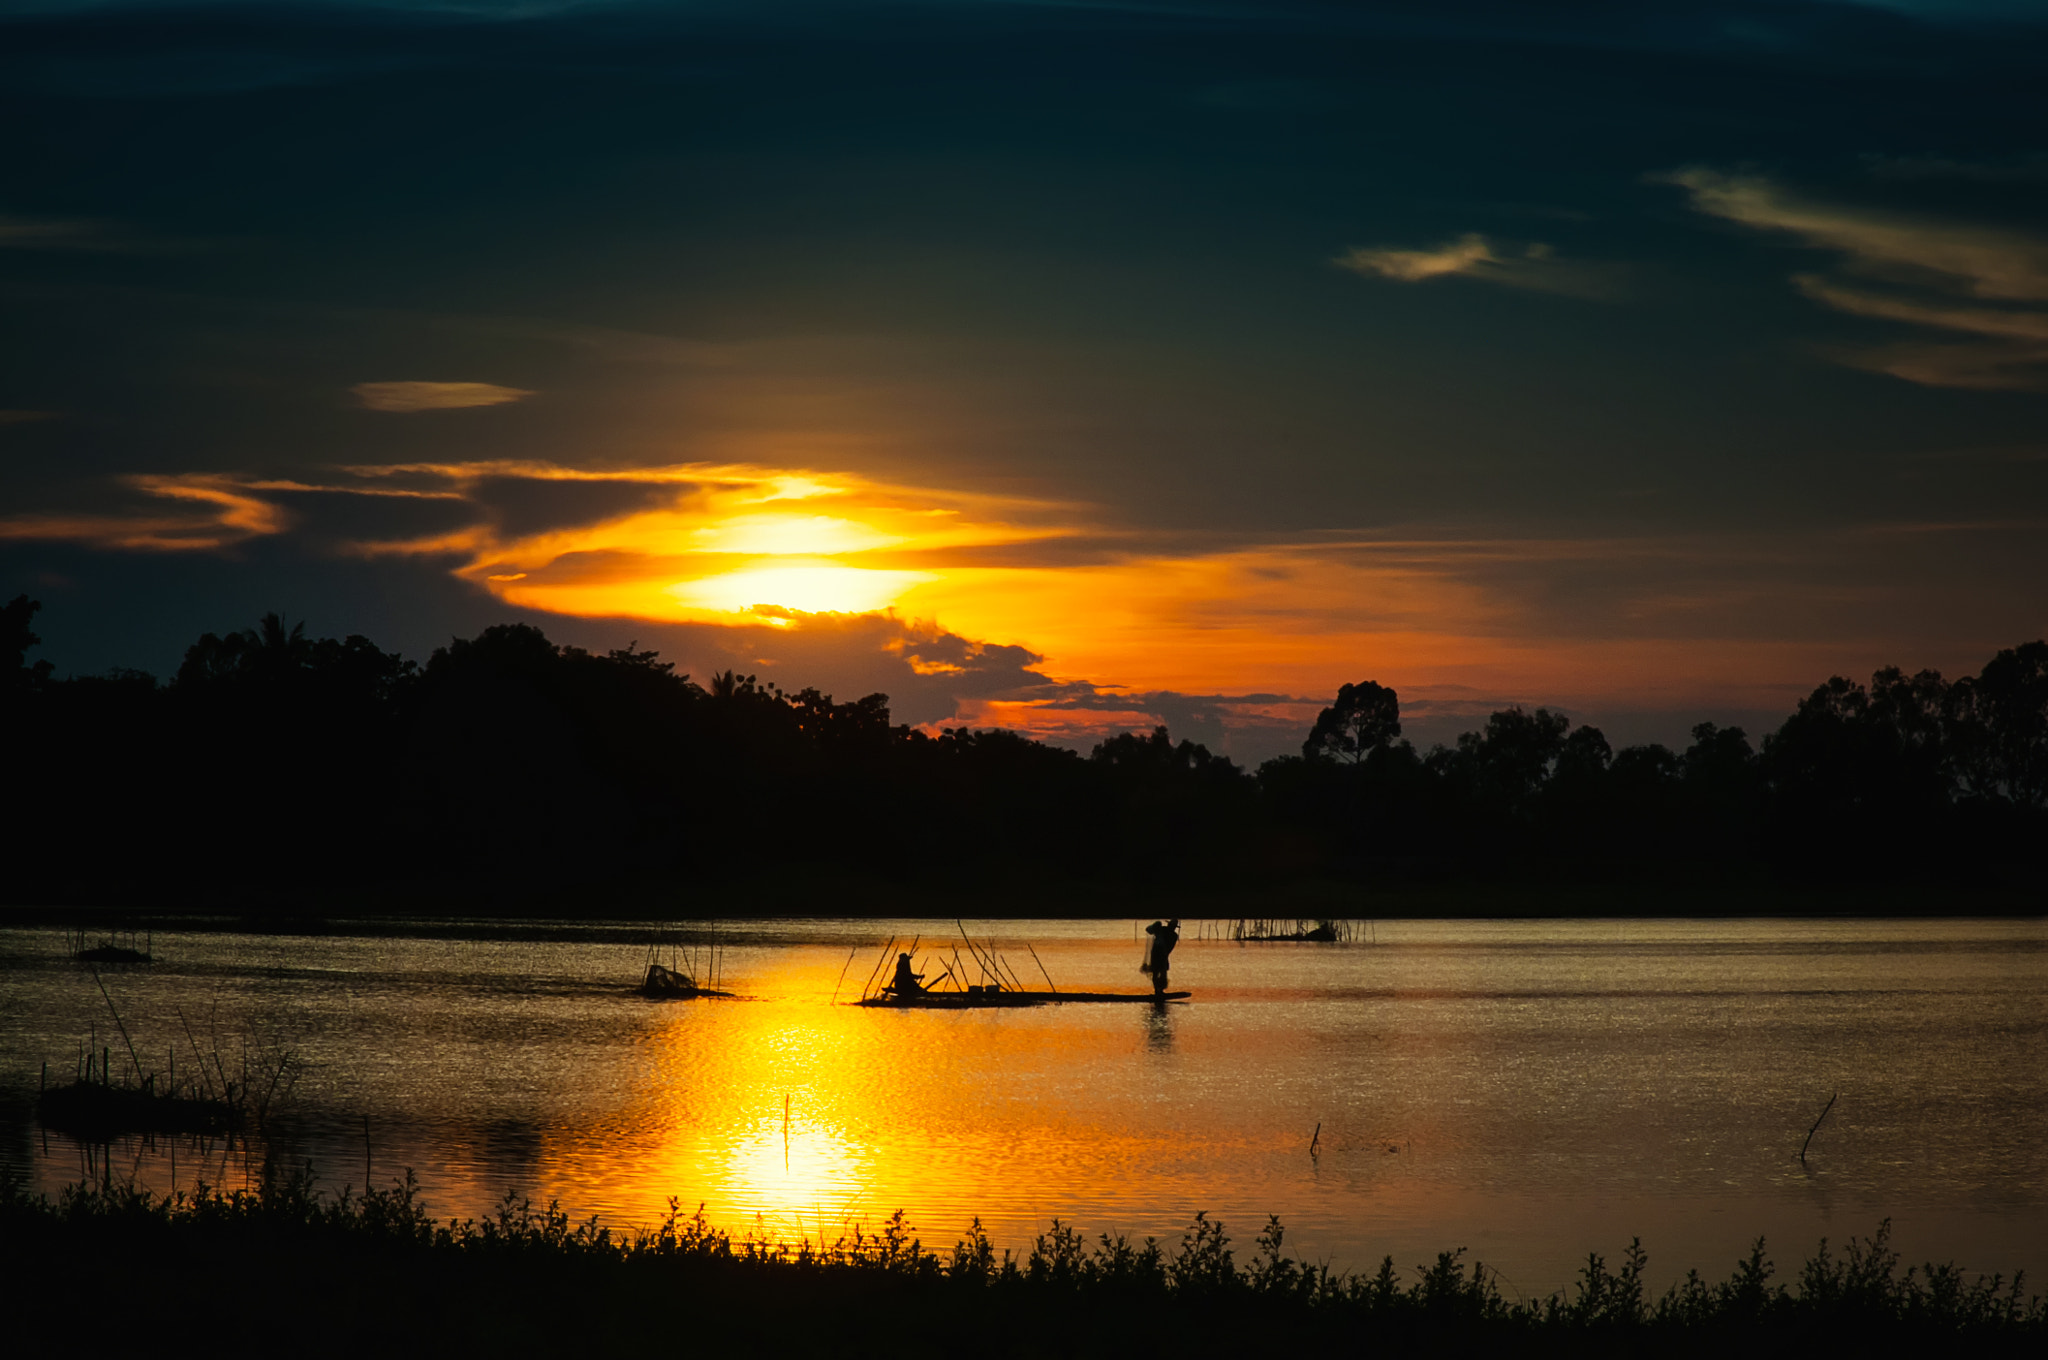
553,921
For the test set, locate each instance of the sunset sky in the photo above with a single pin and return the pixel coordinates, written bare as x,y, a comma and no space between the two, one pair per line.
1068,367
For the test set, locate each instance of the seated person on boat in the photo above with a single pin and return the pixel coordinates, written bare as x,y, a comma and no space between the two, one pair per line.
906,983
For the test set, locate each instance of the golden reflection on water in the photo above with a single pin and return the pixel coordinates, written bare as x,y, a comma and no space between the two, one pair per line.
786,1113
762,1106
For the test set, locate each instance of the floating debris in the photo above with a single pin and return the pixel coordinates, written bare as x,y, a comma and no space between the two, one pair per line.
1298,931
677,981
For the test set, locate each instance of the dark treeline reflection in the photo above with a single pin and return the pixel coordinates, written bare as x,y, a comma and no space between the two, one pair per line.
276,768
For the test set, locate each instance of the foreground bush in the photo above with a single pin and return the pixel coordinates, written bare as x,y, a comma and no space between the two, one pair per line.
284,1267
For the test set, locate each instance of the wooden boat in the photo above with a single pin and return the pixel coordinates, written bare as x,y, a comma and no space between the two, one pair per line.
978,998
1320,935
112,953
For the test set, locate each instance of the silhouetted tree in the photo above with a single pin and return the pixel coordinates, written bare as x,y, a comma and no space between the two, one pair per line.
1181,807
1643,775
16,674
1365,717
1583,759
1507,764
1719,762
1576,799
1999,724
278,650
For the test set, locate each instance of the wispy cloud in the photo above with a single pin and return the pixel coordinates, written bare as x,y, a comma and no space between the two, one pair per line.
2012,354
1534,266
434,396
18,232
1985,283
207,513
1469,254
1985,262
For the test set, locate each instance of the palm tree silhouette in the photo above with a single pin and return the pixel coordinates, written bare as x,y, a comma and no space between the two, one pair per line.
273,649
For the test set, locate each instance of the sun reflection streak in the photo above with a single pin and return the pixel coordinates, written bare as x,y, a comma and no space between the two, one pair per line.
787,1115
763,1108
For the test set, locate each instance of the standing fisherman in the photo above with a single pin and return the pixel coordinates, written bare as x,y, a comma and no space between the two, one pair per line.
1159,951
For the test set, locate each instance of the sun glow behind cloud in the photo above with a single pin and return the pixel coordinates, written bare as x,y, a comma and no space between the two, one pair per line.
750,546
721,544
807,585
1044,616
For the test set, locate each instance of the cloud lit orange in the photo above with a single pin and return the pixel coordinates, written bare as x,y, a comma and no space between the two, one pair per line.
1453,620
722,544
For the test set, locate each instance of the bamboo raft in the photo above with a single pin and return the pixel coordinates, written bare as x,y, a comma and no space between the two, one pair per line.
1000,987
991,999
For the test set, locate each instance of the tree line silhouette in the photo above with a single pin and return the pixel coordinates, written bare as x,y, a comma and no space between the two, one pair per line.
276,768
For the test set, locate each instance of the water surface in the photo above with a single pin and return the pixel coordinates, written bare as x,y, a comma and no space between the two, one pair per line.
1530,1090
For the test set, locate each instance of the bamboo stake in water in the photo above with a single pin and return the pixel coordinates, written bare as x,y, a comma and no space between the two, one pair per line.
1041,968
117,1024
193,1039
979,961
842,971
869,984
1816,1128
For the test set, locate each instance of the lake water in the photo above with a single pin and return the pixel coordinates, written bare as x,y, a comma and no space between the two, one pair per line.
1530,1090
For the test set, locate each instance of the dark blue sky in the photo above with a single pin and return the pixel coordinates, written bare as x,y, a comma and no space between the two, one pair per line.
1655,360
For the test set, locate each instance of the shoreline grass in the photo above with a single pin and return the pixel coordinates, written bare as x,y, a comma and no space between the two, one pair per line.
375,1267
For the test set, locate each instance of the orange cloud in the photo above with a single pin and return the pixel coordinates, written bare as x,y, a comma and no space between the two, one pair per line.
1037,615
724,544
757,547
214,512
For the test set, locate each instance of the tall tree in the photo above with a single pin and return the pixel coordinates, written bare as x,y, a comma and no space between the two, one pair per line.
1365,717
2000,722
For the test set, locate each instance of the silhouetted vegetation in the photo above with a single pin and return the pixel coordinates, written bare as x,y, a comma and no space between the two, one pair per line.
218,1092
282,1261
277,771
